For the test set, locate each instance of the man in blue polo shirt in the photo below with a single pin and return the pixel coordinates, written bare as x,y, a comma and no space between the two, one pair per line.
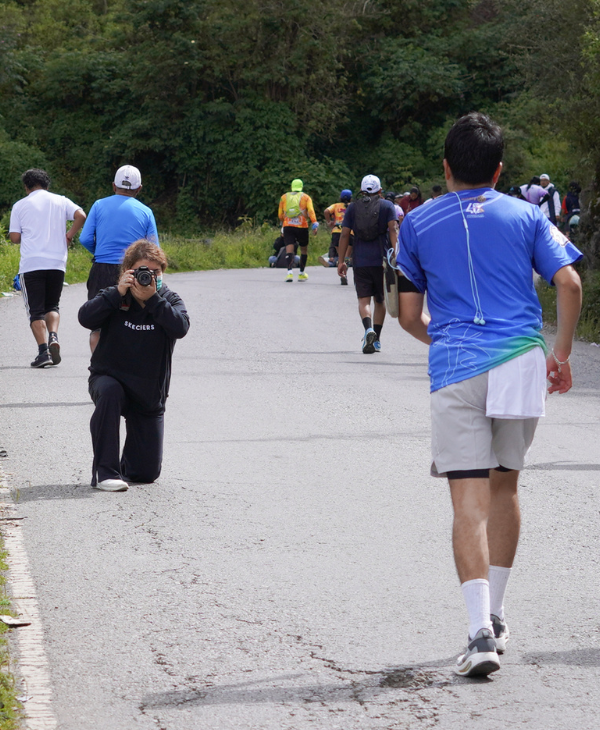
472,251
112,225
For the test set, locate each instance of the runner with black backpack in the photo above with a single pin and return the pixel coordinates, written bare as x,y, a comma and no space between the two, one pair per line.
374,222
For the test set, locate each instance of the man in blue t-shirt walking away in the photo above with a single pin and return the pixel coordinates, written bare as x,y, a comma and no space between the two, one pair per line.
472,251
375,225
112,225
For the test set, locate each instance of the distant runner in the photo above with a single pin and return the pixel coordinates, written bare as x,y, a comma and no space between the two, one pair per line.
375,227
334,215
295,210
38,222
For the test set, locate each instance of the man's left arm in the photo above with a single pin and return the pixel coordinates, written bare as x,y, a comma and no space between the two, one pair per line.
311,214
78,220
393,232
568,306
14,227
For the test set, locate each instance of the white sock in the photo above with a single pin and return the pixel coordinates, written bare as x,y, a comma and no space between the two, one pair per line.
477,597
498,579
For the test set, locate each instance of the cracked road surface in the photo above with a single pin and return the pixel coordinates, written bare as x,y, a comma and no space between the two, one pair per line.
292,568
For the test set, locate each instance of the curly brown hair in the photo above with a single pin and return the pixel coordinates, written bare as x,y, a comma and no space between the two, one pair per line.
143,249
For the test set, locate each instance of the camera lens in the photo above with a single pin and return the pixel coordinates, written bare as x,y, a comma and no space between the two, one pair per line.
144,276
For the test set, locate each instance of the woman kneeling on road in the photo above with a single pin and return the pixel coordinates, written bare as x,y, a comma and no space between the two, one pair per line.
139,321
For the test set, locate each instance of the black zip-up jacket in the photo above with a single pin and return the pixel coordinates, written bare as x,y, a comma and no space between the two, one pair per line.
136,346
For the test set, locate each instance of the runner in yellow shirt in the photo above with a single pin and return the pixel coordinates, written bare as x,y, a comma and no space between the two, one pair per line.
295,210
334,215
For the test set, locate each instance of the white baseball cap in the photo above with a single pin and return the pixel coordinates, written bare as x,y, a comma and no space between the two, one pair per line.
370,184
128,177
544,177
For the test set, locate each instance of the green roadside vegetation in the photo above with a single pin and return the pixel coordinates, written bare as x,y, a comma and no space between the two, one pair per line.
588,327
249,246
10,711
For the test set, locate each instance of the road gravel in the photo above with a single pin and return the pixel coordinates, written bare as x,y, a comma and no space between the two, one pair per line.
292,567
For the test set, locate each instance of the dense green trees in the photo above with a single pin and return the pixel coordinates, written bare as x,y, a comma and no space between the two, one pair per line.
221,103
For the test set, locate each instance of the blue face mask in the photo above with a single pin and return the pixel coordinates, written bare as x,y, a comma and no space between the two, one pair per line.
158,282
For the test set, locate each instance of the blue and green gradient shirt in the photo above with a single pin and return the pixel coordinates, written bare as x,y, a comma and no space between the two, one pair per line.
507,238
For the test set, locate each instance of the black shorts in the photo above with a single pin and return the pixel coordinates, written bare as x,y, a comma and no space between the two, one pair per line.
101,277
368,281
41,292
292,235
335,239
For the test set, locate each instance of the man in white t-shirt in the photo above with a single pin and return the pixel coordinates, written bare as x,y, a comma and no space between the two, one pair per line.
38,223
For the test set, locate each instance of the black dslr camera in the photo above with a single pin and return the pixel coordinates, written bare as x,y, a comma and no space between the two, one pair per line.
144,275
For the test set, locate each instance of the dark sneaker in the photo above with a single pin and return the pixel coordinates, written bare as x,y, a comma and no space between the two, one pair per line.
501,633
480,658
42,360
368,340
344,280
54,349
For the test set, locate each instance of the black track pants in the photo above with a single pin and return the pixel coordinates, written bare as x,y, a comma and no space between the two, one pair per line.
143,450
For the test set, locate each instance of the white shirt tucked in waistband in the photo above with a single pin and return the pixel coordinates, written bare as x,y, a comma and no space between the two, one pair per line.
517,389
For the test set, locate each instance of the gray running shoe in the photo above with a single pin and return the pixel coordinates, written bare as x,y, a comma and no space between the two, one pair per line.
42,360
501,633
54,348
480,658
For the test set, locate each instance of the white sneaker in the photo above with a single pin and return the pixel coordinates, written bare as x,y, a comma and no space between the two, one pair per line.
501,633
480,657
112,485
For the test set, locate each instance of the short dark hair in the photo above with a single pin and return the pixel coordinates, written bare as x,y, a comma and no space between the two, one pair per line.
474,148
436,189
34,177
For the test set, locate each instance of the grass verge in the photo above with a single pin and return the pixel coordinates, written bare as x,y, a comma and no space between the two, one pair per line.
245,248
588,327
250,246
10,711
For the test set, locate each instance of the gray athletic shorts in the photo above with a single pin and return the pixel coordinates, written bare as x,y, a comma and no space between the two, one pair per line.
464,438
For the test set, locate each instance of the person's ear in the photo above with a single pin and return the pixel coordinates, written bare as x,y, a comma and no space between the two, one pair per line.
497,175
447,170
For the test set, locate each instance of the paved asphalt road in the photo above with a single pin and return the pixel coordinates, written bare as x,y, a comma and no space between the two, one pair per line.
292,567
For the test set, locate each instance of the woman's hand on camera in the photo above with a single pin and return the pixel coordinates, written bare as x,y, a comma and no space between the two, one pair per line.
142,293
126,280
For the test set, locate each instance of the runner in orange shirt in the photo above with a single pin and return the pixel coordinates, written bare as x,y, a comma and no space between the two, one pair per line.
334,215
295,210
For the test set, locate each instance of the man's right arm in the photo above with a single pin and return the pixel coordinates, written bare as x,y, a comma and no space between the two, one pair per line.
568,306
412,317
87,237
